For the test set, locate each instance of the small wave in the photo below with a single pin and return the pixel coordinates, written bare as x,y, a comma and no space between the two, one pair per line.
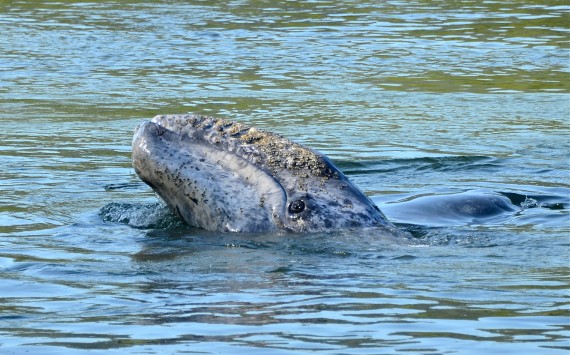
460,238
450,163
124,186
142,216
526,201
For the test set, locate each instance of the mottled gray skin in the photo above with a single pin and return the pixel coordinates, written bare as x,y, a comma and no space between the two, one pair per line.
226,176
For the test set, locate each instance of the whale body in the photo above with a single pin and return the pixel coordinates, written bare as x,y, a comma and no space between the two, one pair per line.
226,176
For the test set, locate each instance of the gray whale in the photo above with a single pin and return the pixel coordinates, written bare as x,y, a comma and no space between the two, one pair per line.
226,176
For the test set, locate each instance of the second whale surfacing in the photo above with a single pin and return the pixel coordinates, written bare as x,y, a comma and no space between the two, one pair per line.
226,176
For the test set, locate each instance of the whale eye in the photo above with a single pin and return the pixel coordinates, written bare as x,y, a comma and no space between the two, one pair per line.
297,206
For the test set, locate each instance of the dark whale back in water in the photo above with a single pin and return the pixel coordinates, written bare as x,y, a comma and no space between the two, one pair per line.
226,176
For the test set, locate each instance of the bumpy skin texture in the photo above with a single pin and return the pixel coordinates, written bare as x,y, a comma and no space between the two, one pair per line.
226,176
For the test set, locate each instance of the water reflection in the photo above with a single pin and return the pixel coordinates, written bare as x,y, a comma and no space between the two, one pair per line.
289,49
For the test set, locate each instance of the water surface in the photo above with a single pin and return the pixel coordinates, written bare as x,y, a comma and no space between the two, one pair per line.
415,101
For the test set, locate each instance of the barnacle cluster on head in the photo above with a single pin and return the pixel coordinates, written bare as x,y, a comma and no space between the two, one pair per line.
276,151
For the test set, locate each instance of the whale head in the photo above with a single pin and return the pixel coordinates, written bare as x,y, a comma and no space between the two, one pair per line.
226,176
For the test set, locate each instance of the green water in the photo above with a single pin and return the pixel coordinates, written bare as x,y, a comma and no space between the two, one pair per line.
411,99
